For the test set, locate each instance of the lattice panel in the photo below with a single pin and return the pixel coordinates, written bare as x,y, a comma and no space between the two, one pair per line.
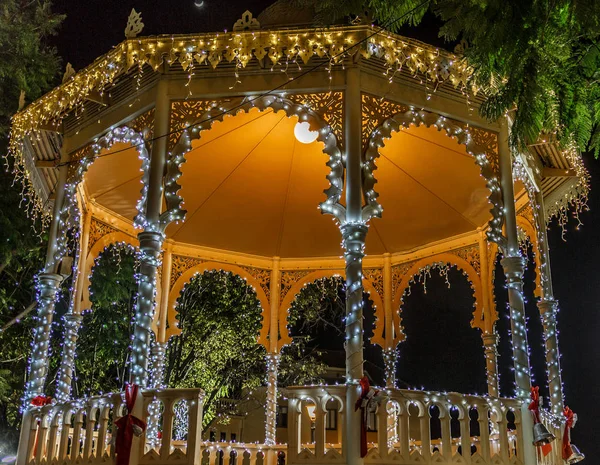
375,277
471,255
98,230
375,110
288,279
179,265
328,105
398,273
184,113
84,152
144,124
263,277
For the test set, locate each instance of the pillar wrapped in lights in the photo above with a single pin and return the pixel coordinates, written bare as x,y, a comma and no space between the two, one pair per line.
514,266
157,363
548,310
150,248
47,292
67,363
490,344
271,403
390,359
354,235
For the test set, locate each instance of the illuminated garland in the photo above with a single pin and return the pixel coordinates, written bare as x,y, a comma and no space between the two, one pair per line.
277,103
462,135
281,48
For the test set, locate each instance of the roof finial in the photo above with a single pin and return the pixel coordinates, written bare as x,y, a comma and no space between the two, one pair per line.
134,24
69,71
246,23
21,100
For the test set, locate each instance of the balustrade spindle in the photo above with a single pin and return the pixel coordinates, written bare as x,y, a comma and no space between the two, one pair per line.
425,427
33,431
65,435
51,449
89,432
484,430
102,431
446,436
167,433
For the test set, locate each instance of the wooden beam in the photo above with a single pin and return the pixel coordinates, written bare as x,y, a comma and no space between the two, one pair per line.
95,96
46,163
50,128
558,173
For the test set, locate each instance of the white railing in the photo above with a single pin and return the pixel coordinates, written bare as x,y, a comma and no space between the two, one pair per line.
84,432
81,430
412,427
409,427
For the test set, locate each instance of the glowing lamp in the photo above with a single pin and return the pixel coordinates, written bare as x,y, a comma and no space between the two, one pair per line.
304,134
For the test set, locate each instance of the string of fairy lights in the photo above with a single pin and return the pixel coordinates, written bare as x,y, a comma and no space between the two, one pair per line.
150,258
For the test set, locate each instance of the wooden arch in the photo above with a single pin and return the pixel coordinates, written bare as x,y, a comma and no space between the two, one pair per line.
291,294
99,246
90,261
331,205
178,286
447,258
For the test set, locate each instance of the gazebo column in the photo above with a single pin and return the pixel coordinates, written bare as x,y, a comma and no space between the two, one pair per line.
273,358
151,240
150,246
390,354
157,361
354,232
548,308
74,318
271,404
48,286
490,344
514,266
67,362
159,347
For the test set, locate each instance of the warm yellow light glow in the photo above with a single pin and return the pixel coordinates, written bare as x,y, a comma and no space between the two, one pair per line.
304,134
310,409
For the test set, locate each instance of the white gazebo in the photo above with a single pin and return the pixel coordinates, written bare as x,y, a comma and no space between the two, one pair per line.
285,154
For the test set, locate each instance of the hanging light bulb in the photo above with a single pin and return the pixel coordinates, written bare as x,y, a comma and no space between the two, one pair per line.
304,134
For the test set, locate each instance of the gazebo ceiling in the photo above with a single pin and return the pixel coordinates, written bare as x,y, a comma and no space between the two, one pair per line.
250,186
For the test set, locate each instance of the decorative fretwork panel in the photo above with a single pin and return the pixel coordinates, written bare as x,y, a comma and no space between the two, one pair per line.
184,113
98,230
398,273
527,212
328,105
179,265
83,153
375,277
470,254
262,276
144,124
288,279
375,110
486,141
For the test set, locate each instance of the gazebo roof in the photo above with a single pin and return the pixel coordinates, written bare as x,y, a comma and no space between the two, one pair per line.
37,130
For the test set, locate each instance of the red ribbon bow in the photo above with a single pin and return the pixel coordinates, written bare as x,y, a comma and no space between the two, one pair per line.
40,401
125,426
569,423
367,394
534,406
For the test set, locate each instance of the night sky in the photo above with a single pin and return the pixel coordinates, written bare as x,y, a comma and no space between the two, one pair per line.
441,351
